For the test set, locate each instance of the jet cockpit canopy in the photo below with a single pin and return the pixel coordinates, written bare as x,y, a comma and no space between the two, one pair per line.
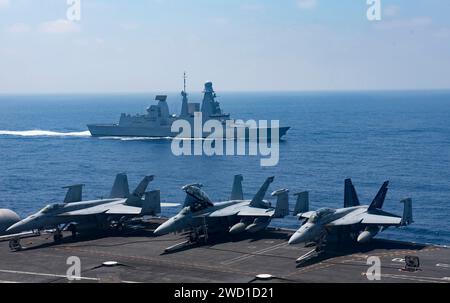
196,198
50,208
320,214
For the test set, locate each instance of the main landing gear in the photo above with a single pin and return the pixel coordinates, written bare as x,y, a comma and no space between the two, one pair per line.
319,249
57,236
195,236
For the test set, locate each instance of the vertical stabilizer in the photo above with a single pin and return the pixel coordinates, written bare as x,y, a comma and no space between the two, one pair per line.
120,188
74,193
138,193
302,205
350,195
152,203
142,187
407,218
282,208
236,192
379,199
257,200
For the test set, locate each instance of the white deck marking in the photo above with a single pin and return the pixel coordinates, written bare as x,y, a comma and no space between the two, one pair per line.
399,260
43,274
416,278
413,278
247,256
443,265
52,275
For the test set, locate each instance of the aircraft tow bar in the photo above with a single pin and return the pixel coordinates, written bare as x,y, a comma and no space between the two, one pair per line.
309,255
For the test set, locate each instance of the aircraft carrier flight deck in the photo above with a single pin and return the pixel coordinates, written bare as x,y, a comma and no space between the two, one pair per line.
138,256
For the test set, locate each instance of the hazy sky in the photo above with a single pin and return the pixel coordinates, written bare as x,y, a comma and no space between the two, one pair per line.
241,45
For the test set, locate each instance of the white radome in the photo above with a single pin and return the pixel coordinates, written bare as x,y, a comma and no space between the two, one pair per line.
7,218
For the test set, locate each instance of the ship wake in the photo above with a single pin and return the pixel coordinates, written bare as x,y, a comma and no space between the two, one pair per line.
135,138
43,133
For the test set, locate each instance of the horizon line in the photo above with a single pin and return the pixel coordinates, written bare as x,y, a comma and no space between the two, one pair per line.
226,91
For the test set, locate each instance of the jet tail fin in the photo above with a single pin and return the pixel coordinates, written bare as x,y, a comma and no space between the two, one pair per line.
142,187
139,192
257,200
378,201
282,208
74,193
407,218
152,203
120,188
350,195
302,205
236,192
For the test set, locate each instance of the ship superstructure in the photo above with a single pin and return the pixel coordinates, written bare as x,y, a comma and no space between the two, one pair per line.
157,121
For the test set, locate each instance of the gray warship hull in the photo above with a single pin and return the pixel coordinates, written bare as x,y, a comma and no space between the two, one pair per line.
157,122
115,130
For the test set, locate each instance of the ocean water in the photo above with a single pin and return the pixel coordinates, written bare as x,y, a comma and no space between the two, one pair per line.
371,137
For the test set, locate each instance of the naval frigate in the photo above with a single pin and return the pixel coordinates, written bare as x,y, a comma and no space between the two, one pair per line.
157,121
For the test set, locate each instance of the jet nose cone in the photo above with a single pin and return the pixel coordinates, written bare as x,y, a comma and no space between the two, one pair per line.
163,229
158,232
27,224
296,238
16,228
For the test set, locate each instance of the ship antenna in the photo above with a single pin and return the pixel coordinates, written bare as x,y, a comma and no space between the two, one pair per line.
184,78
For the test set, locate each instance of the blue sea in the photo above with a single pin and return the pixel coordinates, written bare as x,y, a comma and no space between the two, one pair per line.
371,137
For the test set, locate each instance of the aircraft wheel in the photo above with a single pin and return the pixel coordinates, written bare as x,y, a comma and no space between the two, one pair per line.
57,238
73,229
120,227
14,245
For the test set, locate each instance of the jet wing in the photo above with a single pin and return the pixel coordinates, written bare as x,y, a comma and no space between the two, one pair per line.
224,212
242,211
347,220
117,209
367,219
167,204
381,220
121,209
255,212
203,215
96,210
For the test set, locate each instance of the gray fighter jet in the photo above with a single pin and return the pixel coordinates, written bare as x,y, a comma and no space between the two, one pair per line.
359,222
77,215
234,216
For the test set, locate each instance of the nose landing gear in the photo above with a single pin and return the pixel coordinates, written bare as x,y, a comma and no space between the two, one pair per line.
14,245
57,236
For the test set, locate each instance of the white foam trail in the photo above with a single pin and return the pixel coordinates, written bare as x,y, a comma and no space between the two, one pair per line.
134,138
43,133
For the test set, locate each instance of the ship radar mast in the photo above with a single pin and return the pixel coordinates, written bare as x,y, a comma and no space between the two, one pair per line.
185,105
